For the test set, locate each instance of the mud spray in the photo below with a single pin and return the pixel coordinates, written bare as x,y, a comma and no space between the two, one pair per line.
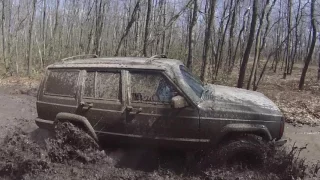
73,154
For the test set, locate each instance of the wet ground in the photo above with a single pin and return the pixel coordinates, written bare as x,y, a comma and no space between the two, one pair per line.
17,110
305,135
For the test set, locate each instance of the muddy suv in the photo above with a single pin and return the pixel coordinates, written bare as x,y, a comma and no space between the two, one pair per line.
156,102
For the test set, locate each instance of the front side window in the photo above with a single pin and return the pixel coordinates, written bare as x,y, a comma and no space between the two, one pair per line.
102,85
62,82
150,87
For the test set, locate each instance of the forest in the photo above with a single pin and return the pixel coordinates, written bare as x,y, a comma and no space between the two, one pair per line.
268,46
214,38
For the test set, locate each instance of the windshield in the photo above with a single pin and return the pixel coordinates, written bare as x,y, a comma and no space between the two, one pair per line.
192,81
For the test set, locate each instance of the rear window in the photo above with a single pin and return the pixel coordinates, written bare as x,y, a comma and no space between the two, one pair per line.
61,82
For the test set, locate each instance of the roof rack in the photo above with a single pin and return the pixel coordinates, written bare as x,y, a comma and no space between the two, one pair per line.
80,57
159,56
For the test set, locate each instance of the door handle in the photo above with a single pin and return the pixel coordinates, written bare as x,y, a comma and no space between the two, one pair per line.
133,110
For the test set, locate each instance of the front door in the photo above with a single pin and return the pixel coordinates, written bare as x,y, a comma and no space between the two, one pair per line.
150,116
102,102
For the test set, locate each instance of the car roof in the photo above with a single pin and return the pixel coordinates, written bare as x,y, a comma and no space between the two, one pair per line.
119,62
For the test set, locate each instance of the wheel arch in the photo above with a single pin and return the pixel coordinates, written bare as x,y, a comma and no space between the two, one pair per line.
232,130
77,120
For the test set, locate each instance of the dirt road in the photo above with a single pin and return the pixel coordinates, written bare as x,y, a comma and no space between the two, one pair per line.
16,110
19,111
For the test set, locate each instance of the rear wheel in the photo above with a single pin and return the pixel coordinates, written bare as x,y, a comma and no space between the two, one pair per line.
75,134
72,142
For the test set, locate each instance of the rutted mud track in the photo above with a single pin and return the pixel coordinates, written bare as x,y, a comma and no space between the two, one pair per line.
30,153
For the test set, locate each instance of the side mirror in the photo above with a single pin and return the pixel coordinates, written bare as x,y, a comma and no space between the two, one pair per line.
179,102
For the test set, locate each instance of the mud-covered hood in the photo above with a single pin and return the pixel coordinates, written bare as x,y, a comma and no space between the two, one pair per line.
231,100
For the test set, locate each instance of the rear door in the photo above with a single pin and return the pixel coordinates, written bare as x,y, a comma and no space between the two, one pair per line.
59,93
102,103
150,117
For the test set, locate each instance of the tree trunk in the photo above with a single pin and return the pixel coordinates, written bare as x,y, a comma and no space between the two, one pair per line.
163,46
207,37
294,52
54,32
43,33
221,42
288,53
129,25
238,42
249,45
231,50
146,30
29,53
192,34
100,10
257,45
3,23
313,42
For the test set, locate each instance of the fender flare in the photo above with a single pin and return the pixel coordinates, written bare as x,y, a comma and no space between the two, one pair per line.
73,118
247,128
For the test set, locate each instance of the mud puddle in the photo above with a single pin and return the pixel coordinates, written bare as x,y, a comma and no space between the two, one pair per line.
305,135
72,154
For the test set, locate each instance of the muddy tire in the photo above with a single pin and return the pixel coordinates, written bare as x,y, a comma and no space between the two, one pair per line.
247,149
76,134
72,142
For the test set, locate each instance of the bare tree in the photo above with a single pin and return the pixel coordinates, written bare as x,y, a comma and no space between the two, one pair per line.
129,25
43,33
210,21
61,28
163,46
3,20
100,10
249,45
192,34
312,45
29,53
146,31
288,48
258,44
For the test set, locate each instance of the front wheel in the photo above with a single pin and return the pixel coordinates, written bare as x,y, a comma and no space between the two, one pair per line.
245,149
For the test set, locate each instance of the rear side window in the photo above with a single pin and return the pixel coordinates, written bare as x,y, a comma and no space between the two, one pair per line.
102,85
62,82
